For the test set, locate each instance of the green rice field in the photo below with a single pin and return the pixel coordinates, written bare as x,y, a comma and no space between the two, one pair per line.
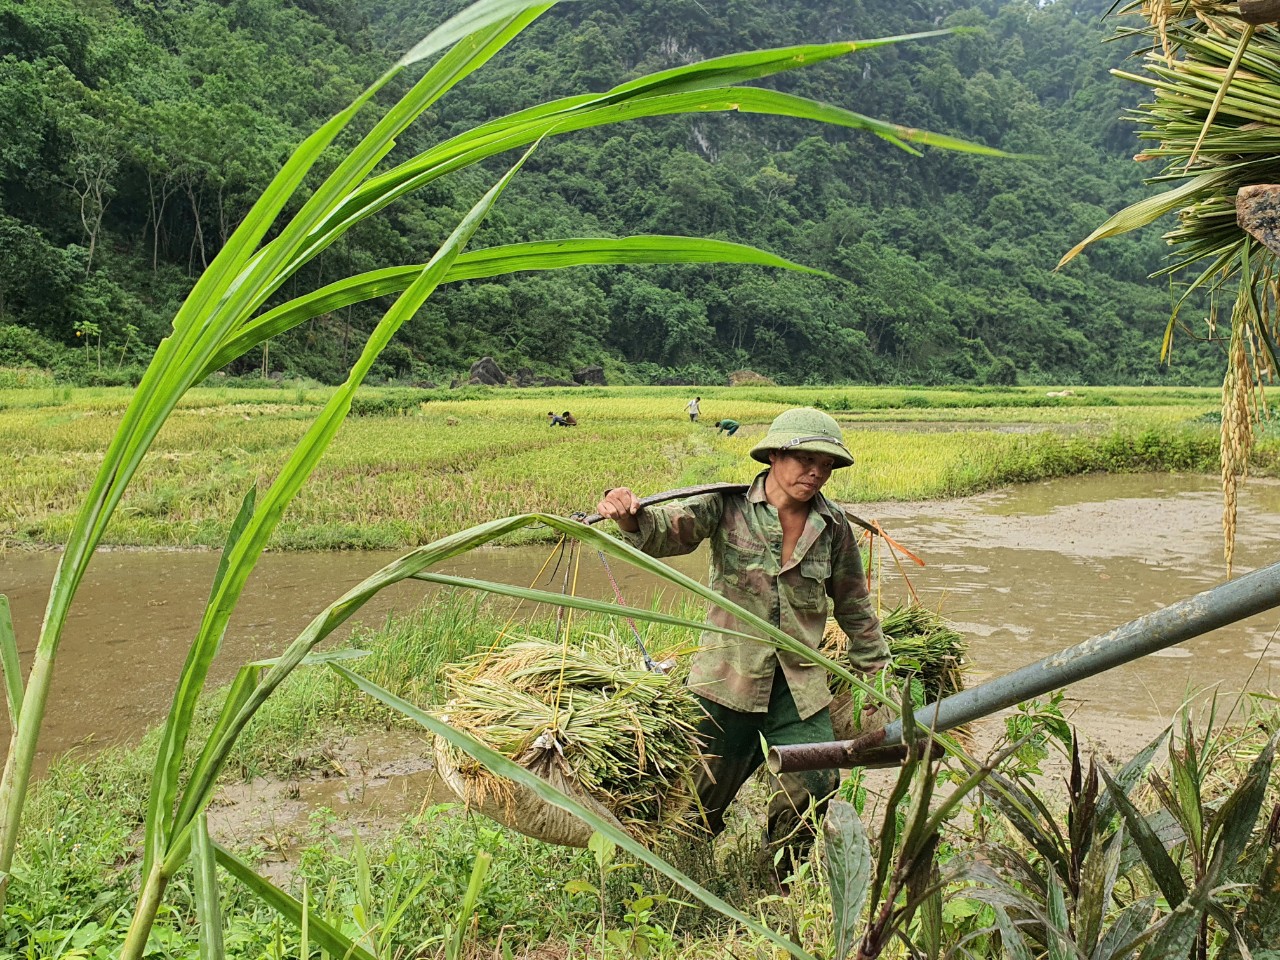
410,466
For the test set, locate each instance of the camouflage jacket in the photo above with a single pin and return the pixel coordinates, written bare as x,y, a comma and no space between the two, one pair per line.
824,573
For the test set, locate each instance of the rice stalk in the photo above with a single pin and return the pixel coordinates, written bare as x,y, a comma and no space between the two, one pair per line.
923,646
1237,432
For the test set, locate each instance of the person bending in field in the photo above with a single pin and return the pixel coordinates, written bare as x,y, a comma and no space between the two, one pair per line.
730,427
786,553
555,420
569,419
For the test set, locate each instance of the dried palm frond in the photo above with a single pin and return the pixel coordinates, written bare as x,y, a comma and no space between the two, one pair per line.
1214,124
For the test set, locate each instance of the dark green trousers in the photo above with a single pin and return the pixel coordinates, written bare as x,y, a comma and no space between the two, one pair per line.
733,752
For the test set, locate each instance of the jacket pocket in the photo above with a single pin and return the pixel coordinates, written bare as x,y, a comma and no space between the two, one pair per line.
811,590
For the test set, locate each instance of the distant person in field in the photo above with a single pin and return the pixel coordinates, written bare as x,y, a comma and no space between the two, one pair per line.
555,420
692,407
730,427
787,554
569,419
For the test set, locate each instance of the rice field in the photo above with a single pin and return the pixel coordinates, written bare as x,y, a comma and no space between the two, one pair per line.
411,466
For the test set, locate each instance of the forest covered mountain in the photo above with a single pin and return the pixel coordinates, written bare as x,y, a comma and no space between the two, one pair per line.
134,134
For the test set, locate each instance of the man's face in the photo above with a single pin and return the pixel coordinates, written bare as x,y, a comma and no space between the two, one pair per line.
801,474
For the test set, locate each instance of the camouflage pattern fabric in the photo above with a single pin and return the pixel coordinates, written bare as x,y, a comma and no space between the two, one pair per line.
824,572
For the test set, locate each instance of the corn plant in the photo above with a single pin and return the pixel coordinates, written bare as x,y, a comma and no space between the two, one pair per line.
224,317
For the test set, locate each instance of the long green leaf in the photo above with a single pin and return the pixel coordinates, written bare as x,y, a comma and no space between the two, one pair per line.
848,863
538,121
697,87
242,687
1012,941
573,602
462,25
1234,821
1161,866
331,939
9,663
156,822
315,228
1147,210
497,763
476,145
249,546
465,912
492,262
208,909
752,65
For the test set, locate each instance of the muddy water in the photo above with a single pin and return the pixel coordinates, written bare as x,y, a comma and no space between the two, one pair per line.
1023,572
1034,569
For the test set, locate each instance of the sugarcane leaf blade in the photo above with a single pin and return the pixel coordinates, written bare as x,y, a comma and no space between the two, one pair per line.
9,663
1144,212
328,937
208,907
493,262
466,22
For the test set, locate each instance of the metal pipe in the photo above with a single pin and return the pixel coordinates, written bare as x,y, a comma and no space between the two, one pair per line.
1235,600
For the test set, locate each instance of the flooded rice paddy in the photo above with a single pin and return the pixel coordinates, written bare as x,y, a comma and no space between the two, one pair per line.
1023,572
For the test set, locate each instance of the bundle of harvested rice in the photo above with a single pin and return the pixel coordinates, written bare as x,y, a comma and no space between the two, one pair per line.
589,719
926,651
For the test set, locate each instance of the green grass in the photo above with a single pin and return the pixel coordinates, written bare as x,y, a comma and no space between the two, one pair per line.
75,881
81,836
421,464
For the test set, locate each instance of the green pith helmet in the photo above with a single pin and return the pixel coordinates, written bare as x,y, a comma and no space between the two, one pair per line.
804,428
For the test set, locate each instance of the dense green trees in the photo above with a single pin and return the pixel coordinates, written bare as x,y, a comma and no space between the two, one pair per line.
133,136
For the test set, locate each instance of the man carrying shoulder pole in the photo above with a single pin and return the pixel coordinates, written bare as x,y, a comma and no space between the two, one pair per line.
788,554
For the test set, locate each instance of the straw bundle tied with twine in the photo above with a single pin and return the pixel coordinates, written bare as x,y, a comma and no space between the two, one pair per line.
588,718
